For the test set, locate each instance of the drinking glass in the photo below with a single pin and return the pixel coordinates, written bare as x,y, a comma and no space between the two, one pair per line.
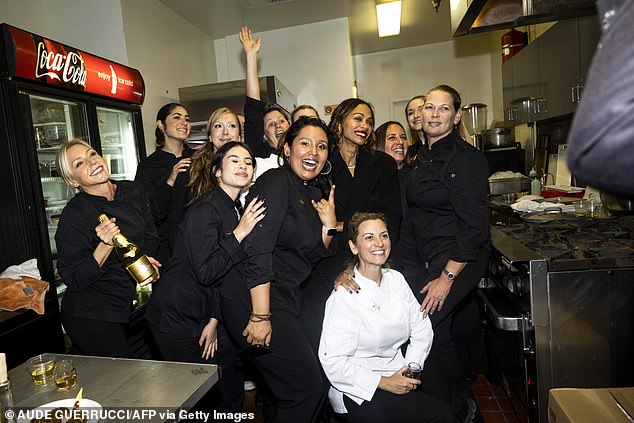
65,375
413,371
41,369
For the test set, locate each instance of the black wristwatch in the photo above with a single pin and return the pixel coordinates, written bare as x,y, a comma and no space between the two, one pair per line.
450,276
329,231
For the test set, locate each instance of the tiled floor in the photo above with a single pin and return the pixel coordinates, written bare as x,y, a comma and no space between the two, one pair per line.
494,405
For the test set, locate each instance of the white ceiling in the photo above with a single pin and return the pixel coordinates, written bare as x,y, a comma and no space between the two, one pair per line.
420,24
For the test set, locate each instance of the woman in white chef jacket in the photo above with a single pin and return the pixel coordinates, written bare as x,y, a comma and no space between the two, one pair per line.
360,346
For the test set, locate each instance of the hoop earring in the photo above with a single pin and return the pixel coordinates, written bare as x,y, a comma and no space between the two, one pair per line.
329,168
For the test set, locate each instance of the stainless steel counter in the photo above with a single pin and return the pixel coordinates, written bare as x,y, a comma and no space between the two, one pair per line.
123,383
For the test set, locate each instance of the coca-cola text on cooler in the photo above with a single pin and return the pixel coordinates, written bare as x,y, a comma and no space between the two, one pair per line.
63,67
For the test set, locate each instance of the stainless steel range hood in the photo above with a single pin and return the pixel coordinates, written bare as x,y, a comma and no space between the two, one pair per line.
476,16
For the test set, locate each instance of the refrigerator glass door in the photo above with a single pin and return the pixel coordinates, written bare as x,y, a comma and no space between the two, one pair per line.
55,121
117,142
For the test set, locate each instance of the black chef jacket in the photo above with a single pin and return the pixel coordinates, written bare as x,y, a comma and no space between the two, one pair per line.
404,256
285,245
374,188
106,292
254,128
168,203
206,253
447,196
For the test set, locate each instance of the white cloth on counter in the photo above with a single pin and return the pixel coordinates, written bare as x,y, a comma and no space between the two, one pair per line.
527,205
28,269
362,335
505,174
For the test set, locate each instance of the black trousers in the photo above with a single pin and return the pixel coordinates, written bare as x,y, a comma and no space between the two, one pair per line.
187,350
292,370
414,407
443,366
96,337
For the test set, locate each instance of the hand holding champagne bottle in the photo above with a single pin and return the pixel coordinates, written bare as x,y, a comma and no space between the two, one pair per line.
142,268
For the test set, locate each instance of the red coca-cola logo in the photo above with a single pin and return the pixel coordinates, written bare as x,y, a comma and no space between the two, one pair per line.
69,68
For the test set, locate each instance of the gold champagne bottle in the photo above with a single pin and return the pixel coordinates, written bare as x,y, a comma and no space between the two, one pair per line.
132,259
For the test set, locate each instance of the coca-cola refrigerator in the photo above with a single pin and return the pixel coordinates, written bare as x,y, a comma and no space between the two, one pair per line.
49,93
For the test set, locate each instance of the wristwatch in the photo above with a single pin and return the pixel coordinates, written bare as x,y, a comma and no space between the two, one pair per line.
450,276
329,231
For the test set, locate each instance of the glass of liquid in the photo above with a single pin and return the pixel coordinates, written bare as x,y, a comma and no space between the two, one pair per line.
65,375
42,368
413,371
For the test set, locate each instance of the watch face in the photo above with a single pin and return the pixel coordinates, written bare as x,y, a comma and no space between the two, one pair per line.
332,232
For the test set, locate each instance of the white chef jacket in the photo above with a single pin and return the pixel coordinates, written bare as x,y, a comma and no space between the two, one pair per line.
362,335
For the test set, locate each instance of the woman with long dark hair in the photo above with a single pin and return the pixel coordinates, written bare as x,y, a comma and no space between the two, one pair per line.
366,180
164,174
184,310
266,308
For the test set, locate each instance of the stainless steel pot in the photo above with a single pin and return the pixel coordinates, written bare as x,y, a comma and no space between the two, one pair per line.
499,137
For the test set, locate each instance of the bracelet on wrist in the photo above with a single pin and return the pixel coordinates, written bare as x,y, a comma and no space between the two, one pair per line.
109,245
257,318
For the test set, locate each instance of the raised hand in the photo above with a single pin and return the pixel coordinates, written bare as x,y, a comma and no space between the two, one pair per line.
253,213
181,166
326,210
250,46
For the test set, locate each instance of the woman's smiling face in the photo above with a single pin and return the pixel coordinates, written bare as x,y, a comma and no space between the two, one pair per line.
439,115
358,125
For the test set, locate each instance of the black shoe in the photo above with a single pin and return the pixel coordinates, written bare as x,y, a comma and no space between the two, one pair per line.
467,411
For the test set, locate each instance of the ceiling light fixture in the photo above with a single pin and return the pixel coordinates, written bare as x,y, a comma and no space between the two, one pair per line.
388,17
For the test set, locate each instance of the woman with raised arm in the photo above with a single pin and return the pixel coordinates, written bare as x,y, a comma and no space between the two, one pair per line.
265,309
164,174
264,125
99,293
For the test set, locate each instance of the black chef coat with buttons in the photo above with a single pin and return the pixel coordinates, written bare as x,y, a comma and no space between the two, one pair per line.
285,245
206,253
106,292
447,195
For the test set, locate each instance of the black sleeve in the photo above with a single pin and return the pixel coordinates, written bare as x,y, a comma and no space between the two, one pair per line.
254,126
273,188
600,139
211,252
391,194
154,180
151,238
468,197
75,241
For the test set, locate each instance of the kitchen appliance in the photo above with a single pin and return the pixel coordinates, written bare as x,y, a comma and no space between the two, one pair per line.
201,100
558,300
499,138
50,93
474,116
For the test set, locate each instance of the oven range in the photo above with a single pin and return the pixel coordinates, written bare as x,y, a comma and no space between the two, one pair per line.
559,305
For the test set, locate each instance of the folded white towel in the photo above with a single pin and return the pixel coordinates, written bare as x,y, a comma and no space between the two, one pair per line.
531,206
